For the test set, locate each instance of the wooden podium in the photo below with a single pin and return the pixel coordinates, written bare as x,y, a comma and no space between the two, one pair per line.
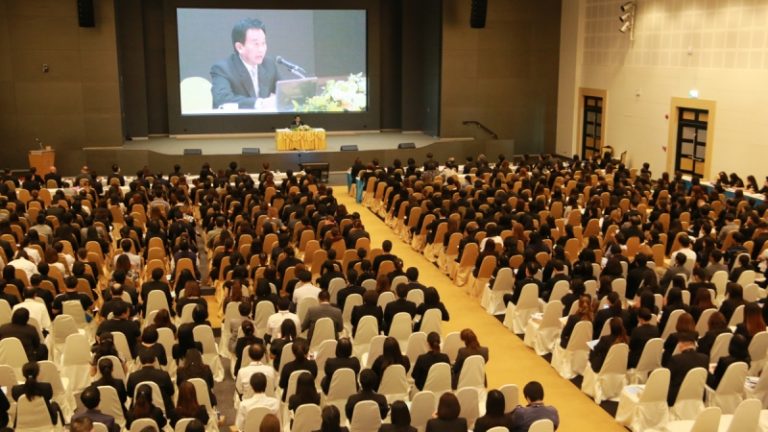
41,160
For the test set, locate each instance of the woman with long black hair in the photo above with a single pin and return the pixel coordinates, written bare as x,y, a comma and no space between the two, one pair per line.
32,389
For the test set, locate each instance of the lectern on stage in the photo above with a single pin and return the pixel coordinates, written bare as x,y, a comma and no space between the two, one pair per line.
42,160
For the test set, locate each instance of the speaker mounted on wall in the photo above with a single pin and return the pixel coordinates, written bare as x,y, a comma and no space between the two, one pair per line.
477,13
406,146
350,147
193,152
85,13
251,151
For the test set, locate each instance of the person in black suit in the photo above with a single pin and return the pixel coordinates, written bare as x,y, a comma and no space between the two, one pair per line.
156,284
105,369
233,78
644,332
26,334
386,247
613,310
390,355
368,383
296,122
342,360
351,288
448,419
397,306
4,407
531,268
144,407
91,399
32,389
148,372
681,363
471,347
637,274
300,349
400,419
600,351
121,323
494,413
369,307
738,351
425,361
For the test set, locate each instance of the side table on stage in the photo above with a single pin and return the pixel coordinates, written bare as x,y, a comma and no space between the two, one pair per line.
287,139
42,160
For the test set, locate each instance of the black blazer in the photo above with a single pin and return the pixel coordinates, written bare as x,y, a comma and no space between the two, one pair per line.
293,366
334,364
380,399
201,414
157,376
379,368
570,324
423,363
713,380
679,365
440,425
359,311
231,82
395,307
640,336
117,384
600,352
156,414
604,315
486,422
705,343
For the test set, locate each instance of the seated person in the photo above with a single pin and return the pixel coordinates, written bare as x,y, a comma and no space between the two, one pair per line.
342,360
369,381
390,355
494,413
425,361
523,417
91,399
259,398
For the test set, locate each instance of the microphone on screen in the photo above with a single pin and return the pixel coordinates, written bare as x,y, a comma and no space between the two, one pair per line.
293,67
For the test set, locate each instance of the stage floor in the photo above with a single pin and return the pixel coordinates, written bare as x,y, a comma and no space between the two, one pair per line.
233,144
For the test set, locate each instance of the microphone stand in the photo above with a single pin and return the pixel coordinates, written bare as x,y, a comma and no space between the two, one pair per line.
296,72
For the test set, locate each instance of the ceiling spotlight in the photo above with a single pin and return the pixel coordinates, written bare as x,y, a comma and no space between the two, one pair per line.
628,6
626,17
626,26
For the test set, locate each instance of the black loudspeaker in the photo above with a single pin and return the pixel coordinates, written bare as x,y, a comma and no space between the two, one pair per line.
251,151
193,152
351,147
406,146
477,13
85,13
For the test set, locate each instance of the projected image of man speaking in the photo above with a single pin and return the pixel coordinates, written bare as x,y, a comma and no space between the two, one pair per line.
246,79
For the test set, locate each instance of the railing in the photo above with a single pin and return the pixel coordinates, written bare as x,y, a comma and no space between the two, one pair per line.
481,126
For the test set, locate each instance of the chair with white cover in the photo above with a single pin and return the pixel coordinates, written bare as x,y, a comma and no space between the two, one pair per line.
702,325
157,394
109,404
572,360
737,317
432,321
745,418
720,347
204,335
671,324
303,307
560,289
746,277
399,280
76,362
499,429
101,427
423,406
7,376
334,286
438,379
286,356
473,374
415,295
32,416
758,347
61,393
619,286
492,299
156,300
451,345
517,315
643,407
417,345
324,330
326,350
708,420
730,392
12,354
166,338
369,285
543,332
123,350
401,328
394,383
61,327
367,329
230,313
612,377
346,313
469,400
366,417
5,312
719,280
543,425
253,418
375,349
650,359
511,396
385,298
690,397
307,418
343,385
181,424
186,313
264,310
204,399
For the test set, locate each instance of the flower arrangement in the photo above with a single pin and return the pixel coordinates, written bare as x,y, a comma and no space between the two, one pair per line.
304,128
338,96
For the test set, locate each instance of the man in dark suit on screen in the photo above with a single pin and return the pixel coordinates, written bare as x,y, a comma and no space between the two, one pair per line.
248,76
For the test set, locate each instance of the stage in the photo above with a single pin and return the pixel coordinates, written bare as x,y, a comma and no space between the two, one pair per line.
161,153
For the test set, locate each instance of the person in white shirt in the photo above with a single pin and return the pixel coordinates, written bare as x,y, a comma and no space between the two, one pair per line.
304,289
36,308
493,235
23,262
685,249
256,353
258,383
276,319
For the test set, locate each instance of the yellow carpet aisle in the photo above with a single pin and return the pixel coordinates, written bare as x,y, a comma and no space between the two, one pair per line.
510,360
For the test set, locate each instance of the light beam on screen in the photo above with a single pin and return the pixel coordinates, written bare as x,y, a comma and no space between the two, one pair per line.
257,62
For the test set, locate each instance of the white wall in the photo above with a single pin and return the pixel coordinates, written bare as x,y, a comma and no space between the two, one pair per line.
719,47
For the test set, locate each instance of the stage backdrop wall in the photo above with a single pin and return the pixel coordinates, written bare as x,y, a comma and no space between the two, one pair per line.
73,105
505,75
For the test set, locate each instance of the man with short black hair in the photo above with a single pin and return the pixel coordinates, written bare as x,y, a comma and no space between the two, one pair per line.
412,273
323,310
305,288
680,364
259,398
156,284
522,417
351,288
386,247
27,334
368,383
678,268
120,322
148,372
256,354
71,293
716,263
276,320
91,399
641,334
397,306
